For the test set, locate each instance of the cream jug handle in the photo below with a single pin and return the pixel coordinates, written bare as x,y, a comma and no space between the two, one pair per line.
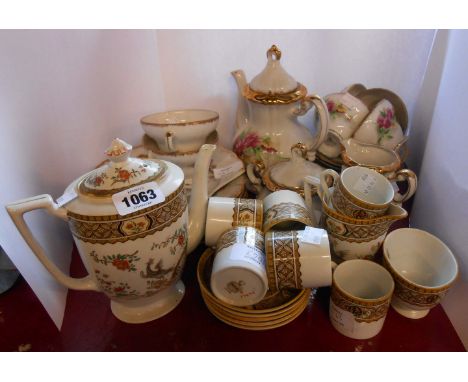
311,184
324,183
306,104
410,177
17,210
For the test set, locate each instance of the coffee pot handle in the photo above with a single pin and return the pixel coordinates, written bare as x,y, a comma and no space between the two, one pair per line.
306,104
17,210
410,177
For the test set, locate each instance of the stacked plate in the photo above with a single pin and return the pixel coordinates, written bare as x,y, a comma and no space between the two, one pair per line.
275,310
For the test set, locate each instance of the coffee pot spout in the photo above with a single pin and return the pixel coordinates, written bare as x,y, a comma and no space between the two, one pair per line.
199,197
242,116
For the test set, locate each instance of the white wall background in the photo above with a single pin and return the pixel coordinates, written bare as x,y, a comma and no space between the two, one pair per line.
65,94
441,202
196,64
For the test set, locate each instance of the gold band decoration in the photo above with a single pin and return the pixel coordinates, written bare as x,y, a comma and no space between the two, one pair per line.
247,212
286,213
115,228
348,204
147,120
282,260
275,99
354,230
250,236
414,294
362,310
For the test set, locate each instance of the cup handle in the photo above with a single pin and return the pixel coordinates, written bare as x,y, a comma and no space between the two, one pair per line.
17,210
252,169
169,141
412,180
324,184
319,103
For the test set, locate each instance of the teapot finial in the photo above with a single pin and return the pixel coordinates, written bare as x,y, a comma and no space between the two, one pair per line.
118,150
274,52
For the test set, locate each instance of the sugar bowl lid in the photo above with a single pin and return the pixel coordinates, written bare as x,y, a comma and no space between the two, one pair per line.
120,172
274,84
290,174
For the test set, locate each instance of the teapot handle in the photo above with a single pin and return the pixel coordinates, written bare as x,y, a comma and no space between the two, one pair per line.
410,177
17,210
304,107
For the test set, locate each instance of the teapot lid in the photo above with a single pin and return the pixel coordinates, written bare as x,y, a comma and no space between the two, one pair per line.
120,172
290,174
274,84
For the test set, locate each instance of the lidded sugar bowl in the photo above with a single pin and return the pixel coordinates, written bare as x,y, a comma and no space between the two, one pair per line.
131,225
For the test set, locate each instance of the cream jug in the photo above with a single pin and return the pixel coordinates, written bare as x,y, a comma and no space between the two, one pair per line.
130,222
267,124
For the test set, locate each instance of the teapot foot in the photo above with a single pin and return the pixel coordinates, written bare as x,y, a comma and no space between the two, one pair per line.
149,308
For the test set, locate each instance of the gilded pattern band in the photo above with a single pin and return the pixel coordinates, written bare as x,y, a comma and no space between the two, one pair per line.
115,228
275,99
414,294
247,212
283,265
362,310
355,233
286,212
376,208
250,236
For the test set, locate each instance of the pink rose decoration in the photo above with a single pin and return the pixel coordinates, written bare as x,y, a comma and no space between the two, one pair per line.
249,140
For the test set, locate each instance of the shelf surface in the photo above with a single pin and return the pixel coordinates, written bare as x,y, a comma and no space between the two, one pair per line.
90,326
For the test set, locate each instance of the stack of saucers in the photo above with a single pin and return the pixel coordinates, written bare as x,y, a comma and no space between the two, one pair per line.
275,310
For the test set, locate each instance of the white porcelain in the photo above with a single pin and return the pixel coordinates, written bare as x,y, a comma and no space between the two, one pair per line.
346,114
182,131
385,161
225,213
381,127
295,262
268,110
356,153
423,267
289,174
239,275
359,192
135,259
285,210
352,238
360,298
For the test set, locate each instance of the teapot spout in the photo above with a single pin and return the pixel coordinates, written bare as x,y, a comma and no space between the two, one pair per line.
199,197
242,116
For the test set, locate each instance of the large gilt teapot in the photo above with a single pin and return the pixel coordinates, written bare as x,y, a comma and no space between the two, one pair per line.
267,124
131,224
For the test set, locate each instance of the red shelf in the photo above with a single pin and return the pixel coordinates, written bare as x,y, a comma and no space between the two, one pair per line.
90,326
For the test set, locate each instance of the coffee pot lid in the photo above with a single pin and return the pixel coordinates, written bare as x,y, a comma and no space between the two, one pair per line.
274,84
120,172
290,174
